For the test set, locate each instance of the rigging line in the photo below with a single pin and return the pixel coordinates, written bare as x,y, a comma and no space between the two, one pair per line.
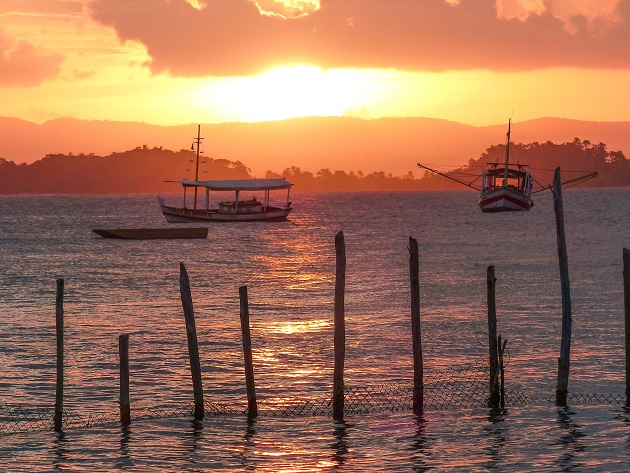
469,184
246,162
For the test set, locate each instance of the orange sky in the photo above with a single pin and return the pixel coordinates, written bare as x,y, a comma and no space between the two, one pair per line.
176,61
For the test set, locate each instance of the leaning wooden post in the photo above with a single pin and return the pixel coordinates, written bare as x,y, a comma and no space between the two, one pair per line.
191,335
493,400
252,406
565,345
123,355
416,332
340,326
626,305
58,417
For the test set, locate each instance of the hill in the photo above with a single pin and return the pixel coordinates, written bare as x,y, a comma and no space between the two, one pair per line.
391,145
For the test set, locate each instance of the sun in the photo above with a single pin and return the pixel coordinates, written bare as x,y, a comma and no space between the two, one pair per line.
287,92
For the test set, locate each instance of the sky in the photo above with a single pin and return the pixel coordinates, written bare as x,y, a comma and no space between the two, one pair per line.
171,62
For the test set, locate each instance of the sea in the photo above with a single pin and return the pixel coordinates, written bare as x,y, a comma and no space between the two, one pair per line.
115,287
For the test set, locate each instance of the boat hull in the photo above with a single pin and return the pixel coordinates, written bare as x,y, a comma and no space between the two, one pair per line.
153,233
504,200
180,215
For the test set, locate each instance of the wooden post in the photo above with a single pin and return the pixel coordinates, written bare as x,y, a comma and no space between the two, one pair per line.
123,354
252,406
340,326
564,360
626,305
416,332
191,335
493,400
58,417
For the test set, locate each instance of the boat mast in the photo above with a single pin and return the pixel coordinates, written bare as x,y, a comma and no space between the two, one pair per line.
197,141
507,155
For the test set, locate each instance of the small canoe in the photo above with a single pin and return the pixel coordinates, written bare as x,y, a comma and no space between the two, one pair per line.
153,233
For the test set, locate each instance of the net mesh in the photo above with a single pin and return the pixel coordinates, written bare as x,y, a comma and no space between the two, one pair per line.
460,387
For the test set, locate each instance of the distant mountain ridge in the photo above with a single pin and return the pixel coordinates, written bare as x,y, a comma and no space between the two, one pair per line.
392,145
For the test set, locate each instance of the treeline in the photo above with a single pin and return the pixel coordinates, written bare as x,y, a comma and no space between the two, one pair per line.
143,170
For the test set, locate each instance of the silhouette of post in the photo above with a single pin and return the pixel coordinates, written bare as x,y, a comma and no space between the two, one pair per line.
493,400
340,326
58,417
416,331
252,406
123,355
626,305
564,360
191,335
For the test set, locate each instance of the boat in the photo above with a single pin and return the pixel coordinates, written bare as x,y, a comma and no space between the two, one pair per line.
153,233
236,209
507,188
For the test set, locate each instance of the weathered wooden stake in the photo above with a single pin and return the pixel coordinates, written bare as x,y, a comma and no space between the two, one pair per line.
58,417
340,326
626,305
252,406
191,334
493,400
123,355
564,360
416,331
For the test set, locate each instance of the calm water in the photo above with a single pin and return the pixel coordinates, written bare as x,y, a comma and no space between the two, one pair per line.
115,287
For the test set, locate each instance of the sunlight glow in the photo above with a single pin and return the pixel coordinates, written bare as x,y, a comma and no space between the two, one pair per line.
289,92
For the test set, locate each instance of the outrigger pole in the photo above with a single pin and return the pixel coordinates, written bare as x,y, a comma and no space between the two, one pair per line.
449,177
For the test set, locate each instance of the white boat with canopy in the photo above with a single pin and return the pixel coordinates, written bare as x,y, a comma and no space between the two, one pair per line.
240,208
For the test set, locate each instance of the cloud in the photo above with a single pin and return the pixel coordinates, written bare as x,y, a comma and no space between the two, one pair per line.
236,38
24,65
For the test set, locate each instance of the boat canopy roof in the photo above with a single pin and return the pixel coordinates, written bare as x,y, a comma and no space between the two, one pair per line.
238,184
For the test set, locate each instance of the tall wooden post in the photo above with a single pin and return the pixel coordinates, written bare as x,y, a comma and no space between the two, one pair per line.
416,331
564,360
123,355
340,326
493,355
252,405
626,305
191,335
58,417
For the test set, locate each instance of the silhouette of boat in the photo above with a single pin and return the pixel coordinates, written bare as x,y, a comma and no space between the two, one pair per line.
507,187
235,210
153,233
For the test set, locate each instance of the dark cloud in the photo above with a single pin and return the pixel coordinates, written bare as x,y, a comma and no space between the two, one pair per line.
24,65
234,38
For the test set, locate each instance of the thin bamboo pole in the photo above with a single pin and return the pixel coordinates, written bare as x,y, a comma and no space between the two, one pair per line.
564,361
340,327
252,405
493,400
58,417
626,305
123,354
416,331
502,370
191,335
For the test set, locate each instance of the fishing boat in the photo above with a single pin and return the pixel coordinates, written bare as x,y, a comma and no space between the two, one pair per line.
152,233
507,188
239,208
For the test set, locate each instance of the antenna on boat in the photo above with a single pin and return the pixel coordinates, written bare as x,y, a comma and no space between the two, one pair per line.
507,154
197,142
